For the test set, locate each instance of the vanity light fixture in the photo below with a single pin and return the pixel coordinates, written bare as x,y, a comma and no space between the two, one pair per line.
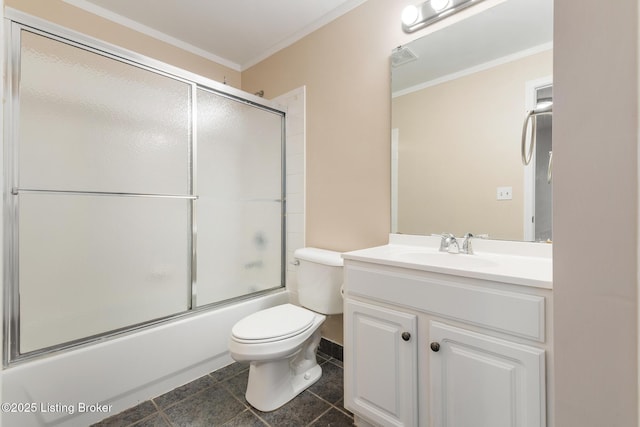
440,5
416,17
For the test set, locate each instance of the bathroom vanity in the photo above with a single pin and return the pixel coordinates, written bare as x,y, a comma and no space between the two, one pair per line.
438,339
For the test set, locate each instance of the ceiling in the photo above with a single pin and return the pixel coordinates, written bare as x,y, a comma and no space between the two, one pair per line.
234,33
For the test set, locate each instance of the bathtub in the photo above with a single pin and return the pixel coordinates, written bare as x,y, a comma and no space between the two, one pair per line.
88,384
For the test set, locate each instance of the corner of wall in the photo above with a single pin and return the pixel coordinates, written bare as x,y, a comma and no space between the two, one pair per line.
294,102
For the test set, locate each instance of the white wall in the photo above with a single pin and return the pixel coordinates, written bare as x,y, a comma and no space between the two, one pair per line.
595,218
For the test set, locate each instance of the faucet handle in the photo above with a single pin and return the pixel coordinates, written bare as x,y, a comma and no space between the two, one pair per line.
466,244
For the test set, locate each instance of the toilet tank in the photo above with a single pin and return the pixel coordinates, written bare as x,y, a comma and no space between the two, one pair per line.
320,280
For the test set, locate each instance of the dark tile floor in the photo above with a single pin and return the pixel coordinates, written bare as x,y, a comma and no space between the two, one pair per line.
217,399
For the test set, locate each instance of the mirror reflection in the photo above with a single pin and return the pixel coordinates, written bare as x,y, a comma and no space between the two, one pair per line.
460,96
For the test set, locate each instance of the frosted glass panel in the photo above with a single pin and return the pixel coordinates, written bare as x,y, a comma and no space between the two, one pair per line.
91,123
239,210
83,265
89,265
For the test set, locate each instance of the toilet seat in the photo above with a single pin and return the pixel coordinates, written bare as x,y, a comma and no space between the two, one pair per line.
273,324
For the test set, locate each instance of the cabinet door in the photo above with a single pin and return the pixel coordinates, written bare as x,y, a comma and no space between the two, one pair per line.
380,364
482,381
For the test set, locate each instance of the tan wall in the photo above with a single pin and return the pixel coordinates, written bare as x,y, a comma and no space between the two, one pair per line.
458,142
71,17
595,213
345,67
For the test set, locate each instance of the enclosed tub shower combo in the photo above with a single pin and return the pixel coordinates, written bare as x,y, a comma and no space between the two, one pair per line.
135,192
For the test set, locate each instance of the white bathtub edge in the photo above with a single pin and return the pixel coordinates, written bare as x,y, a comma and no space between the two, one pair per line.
124,371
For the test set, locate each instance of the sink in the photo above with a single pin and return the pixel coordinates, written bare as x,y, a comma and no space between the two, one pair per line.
520,263
445,259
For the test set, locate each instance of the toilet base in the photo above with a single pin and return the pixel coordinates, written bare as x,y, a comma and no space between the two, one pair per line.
274,383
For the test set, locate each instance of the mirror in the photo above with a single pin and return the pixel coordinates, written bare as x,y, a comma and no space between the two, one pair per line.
459,99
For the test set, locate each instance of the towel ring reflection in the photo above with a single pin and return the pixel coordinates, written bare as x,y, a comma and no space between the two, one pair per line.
531,117
526,156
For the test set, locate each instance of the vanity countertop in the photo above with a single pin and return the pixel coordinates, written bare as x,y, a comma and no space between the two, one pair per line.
520,263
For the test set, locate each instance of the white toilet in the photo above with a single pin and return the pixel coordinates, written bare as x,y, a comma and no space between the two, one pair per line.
280,342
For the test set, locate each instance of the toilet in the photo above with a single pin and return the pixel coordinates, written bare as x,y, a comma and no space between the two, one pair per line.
280,342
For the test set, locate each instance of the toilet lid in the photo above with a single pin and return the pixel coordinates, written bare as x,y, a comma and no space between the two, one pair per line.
281,322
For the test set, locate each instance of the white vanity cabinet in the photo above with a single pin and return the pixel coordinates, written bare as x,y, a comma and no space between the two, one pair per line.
474,352
380,380
478,380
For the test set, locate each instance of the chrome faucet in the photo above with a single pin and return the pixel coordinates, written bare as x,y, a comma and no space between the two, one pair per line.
448,243
444,241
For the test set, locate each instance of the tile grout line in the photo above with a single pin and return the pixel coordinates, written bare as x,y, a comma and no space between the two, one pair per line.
320,416
259,417
344,411
245,404
172,404
331,405
164,416
160,410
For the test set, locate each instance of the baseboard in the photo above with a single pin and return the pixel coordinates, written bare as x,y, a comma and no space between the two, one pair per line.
331,348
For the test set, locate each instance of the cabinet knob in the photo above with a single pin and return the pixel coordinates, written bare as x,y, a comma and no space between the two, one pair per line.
406,336
435,346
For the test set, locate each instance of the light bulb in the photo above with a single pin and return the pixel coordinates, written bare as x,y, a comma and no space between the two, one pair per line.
410,15
439,5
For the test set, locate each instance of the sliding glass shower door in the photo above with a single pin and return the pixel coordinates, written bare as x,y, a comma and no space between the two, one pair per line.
99,139
132,195
239,184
